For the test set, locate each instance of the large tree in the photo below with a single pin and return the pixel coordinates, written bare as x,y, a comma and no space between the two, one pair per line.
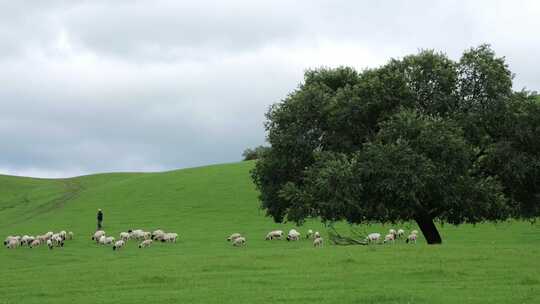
423,138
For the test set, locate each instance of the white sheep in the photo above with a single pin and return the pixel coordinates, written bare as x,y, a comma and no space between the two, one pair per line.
35,243
10,238
170,237
392,232
106,240
240,241
50,244
414,232
274,234
233,236
27,239
119,244
97,235
145,244
293,235
316,235
124,236
57,240
137,234
389,238
309,234
373,237
12,243
411,238
318,242
70,235
400,233
157,234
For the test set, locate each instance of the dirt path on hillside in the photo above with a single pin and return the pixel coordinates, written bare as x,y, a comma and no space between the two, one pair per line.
72,189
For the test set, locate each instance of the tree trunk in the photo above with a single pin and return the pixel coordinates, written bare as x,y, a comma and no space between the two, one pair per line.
425,223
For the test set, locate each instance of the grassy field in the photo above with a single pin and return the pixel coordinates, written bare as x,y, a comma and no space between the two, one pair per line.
483,264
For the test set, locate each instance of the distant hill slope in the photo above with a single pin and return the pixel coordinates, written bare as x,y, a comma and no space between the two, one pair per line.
217,195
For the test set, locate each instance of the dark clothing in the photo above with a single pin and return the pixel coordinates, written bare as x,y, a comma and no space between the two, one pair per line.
99,219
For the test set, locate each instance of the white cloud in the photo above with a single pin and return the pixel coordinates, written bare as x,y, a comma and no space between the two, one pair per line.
120,86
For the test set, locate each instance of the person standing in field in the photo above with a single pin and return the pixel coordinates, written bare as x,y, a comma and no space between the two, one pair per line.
99,219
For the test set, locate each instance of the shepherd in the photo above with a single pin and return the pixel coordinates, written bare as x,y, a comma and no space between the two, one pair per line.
99,219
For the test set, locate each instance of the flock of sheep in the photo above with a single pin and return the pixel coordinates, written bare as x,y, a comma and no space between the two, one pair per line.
145,238
238,240
50,238
392,236
53,240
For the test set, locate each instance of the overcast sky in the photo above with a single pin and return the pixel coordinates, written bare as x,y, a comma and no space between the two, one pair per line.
100,86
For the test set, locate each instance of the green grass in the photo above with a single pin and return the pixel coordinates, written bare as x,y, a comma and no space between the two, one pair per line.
483,264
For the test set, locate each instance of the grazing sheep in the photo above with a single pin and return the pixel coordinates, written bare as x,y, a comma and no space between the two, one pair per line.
414,232
240,241
170,237
274,234
309,234
30,239
157,234
106,240
294,231
316,235
233,236
318,242
27,239
12,243
35,243
389,238
373,237
57,240
63,234
49,234
411,238
24,240
97,235
124,236
10,238
50,244
400,233
293,235
137,234
392,232
145,244
119,244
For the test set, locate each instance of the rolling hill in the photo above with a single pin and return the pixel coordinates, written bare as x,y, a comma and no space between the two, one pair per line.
487,263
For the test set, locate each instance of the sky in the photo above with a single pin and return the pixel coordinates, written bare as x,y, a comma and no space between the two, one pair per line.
106,86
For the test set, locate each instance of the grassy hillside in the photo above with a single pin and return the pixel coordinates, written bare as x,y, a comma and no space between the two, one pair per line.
483,264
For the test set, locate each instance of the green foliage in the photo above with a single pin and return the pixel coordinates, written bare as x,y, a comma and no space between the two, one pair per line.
255,153
515,156
416,164
420,137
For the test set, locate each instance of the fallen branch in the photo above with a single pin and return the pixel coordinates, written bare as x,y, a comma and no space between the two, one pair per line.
341,240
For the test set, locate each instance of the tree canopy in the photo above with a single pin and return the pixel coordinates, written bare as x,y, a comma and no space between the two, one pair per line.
421,138
252,154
